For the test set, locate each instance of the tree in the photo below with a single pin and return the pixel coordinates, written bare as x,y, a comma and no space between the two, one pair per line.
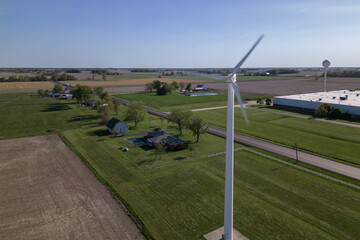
259,101
336,113
188,87
149,87
175,85
58,88
323,110
40,92
98,91
197,125
135,112
156,84
181,86
104,95
81,93
105,111
180,117
160,148
116,104
63,77
268,101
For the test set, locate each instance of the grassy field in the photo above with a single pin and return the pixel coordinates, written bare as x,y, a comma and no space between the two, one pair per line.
337,142
25,114
208,79
168,102
179,195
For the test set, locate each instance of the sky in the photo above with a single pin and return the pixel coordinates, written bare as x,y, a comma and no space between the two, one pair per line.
178,34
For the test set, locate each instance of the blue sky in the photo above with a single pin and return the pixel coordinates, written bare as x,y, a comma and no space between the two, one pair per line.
123,34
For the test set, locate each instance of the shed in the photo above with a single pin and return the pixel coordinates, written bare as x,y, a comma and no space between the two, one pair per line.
117,126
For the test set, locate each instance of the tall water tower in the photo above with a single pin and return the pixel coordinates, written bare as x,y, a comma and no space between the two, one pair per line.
326,64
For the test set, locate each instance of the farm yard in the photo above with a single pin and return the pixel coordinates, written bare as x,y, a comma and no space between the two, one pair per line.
179,195
47,193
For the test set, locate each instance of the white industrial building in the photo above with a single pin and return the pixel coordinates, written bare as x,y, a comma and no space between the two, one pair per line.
346,100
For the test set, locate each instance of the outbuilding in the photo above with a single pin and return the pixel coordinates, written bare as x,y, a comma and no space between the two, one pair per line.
117,126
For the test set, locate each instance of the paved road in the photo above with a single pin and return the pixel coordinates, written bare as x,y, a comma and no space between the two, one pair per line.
346,170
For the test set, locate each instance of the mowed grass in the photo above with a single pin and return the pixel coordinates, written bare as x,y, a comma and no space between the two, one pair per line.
333,141
175,100
180,194
27,114
172,101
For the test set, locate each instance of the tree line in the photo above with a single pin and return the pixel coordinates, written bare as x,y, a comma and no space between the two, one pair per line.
343,73
163,88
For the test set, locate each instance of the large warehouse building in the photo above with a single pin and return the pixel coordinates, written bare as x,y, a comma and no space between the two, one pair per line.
346,100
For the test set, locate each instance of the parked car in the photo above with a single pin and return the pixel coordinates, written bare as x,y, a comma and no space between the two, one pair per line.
200,87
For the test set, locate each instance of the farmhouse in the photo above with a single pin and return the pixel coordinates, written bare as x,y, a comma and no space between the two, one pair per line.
90,103
117,126
172,142
347,100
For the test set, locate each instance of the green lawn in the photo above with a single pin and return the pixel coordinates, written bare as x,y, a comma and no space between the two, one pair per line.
27,114
169,102
175,100
179,195
332,141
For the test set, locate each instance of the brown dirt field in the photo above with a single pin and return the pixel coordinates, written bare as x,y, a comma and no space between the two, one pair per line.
287,87
25,85
128,82
46,192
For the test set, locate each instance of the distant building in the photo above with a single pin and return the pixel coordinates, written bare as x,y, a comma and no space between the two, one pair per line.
54,94
117,126
66,96
90,103
347,100
172,141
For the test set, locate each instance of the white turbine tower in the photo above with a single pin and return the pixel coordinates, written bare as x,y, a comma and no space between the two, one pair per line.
229,172
326,64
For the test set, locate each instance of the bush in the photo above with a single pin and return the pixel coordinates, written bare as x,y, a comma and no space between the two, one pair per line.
40,92
259,101
336,113
268,101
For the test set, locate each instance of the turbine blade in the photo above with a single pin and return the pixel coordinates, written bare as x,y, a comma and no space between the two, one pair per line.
236,68
237,93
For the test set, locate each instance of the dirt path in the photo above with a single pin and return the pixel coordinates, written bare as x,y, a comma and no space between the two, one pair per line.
46,192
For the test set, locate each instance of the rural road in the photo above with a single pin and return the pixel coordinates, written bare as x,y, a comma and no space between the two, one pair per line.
333,166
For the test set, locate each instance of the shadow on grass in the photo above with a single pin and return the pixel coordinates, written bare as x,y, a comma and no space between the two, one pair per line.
146,147
53,107
179,158
145,161
278,168
100,133
84,117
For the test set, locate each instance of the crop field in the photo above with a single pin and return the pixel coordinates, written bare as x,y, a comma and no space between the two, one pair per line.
4,86
341,143
179,195
46,192
127,82
265,78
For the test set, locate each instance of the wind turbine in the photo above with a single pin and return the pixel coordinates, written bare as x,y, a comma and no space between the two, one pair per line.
229,172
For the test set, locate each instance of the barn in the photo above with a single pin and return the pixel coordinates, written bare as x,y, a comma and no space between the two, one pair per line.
117,126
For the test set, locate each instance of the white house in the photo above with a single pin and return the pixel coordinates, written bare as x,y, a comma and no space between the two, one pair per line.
116,125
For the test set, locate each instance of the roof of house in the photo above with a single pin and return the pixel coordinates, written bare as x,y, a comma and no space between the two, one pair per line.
111,124
169,139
